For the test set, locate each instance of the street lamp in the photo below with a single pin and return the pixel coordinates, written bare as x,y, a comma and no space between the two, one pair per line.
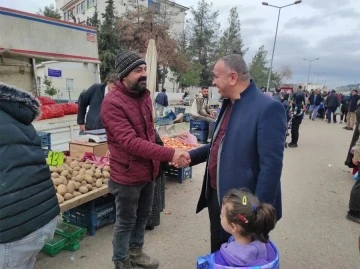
272,56
310,61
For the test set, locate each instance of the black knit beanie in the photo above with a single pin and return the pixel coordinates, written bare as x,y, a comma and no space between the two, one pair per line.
126,62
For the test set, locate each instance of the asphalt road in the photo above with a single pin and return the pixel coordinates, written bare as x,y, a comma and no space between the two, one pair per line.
313,232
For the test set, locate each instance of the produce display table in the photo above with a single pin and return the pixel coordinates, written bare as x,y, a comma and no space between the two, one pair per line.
84,198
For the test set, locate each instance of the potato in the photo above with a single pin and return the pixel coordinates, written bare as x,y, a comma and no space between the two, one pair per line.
83,183
99,183
87,166
62,189
82,171
52,169
75,173
79,178
89,186
97,175
105,180
88,179
74,164
83,189
77,185
89,172
63,180
60,198
106,168
81,164
64,173
97,170
76,193
106,174
76,168
68,160
55,174
71,187
93,169
68,196
56,181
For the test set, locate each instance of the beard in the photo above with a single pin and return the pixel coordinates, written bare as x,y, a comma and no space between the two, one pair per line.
140,85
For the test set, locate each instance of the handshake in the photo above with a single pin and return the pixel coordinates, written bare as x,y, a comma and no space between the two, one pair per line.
181,158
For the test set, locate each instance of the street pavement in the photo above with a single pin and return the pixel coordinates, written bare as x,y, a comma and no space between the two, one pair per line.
313,232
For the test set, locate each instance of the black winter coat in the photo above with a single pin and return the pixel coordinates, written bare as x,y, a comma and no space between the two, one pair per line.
92,97
332,101
27,195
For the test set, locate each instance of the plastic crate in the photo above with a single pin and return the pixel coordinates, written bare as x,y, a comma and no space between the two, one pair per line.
201,136
55,245
179,173
45,140
199,125
70,231
93,214
73,246
179,110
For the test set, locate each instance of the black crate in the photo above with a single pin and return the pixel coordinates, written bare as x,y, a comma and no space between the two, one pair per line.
199,125
45,140
179,173
93,214
201,136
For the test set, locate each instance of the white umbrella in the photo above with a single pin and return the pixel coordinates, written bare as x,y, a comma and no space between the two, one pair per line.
151,64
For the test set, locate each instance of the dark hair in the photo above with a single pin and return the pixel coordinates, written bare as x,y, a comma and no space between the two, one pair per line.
204,88
286,96
163,90
247,211
300,87
277,90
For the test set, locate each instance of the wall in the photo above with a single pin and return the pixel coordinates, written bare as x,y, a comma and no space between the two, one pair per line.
83,76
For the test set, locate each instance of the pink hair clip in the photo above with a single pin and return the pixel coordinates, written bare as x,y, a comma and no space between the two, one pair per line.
242,218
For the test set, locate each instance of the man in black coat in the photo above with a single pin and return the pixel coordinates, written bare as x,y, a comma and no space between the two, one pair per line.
351,116
298,113
332,103
28,203
315,100
93,98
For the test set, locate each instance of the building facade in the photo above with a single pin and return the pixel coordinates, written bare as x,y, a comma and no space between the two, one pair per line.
80,10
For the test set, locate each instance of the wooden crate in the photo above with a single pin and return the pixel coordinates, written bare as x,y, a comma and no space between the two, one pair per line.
77,150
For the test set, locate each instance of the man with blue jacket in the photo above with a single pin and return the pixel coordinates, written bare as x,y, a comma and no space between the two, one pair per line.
247,146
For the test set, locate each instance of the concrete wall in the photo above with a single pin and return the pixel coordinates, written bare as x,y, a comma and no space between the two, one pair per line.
83,76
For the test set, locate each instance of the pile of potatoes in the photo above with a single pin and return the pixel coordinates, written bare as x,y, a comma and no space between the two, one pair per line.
75,178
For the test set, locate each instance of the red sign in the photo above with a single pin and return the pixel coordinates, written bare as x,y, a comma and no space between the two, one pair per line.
91,37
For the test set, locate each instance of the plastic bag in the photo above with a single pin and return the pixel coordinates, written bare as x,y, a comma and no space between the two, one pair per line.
188,138
98,161
356,176
44,100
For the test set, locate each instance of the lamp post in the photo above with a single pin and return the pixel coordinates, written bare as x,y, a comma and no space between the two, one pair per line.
277,25
310,61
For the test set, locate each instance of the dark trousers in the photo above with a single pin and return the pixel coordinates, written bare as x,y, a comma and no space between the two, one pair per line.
218,235
133,207
296,121
331,110
343,115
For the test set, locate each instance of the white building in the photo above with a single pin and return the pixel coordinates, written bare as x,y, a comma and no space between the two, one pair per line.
84,9
69,78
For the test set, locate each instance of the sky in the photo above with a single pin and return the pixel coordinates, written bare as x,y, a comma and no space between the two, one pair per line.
323,29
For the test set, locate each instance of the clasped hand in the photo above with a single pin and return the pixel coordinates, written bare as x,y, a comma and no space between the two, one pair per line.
181,158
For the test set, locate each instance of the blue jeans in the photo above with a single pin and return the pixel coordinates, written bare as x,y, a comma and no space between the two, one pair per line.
331,110
133,208
315,112
21,254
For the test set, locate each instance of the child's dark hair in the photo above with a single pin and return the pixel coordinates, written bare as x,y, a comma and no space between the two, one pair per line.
246,210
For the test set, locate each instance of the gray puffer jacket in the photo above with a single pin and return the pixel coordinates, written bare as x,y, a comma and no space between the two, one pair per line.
27,195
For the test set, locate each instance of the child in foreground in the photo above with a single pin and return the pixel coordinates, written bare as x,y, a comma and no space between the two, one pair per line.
249,222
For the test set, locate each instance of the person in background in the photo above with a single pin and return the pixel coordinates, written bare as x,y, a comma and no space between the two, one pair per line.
298,113
135,158
351,116
344,109
92,98
161,101
332,103
29,206
315,101
278,95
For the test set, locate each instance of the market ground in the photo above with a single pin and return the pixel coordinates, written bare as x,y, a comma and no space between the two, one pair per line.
313,232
